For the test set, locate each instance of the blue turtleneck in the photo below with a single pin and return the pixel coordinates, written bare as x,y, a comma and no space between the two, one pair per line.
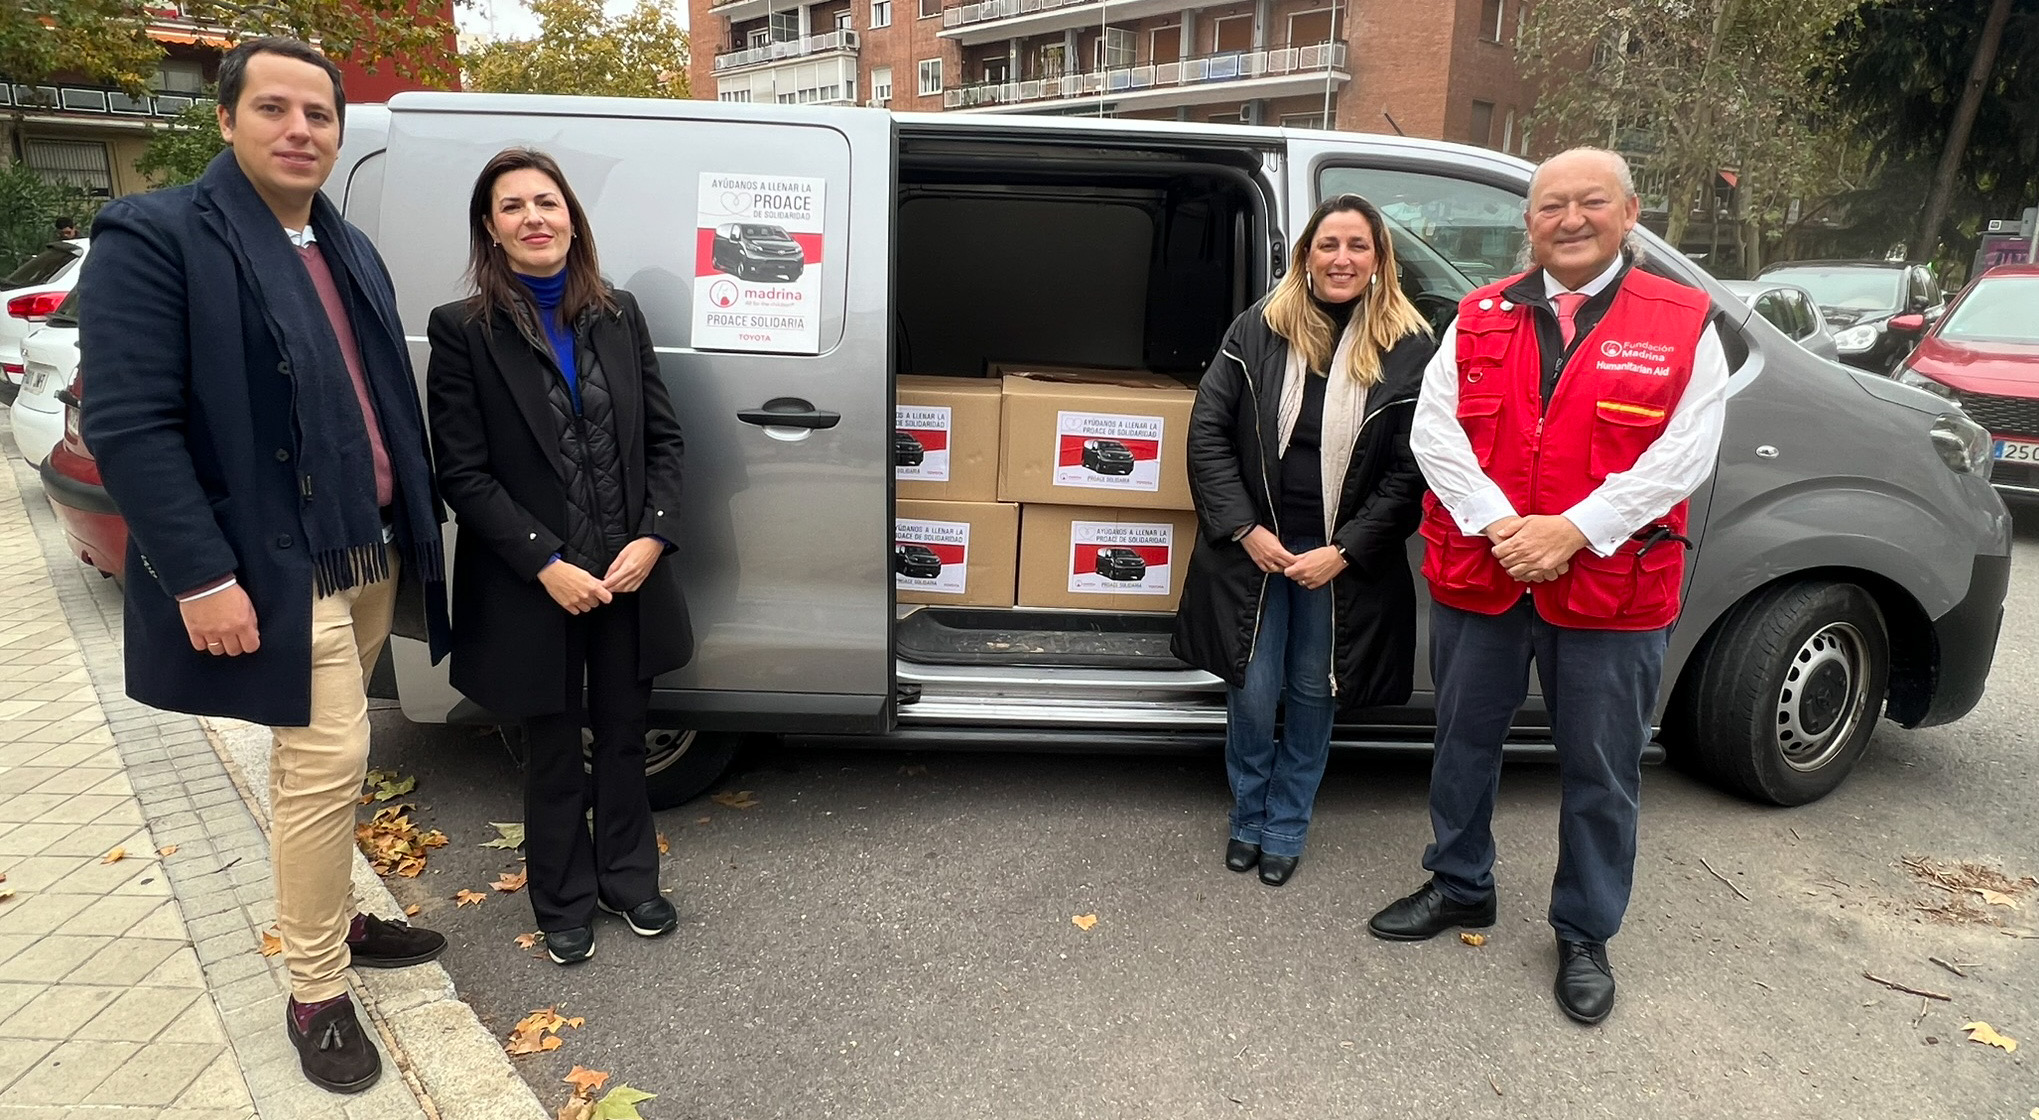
547,291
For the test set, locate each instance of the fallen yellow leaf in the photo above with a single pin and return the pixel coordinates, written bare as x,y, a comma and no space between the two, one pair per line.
740,799
577,1107
1987,1035
1084,921
115,856
6,894
527,941
511,882
167,851
411,911
468,898
1474,939
1996,898
536,1033
663,845
585,1081
577,1022
271,944
703,820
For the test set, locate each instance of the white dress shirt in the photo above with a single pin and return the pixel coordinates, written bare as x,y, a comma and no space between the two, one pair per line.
1667,473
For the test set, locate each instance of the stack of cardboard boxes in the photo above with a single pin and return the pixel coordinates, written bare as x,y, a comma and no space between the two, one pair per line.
1043,488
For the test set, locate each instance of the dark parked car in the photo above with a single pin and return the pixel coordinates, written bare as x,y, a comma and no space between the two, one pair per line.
906,450
1122,564
1107,456
752,251
1876,309
915,561
1984,356
1790,309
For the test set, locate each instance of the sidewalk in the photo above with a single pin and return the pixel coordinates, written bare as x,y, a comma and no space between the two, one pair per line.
136,989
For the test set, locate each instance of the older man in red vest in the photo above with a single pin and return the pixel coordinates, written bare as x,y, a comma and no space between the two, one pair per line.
1569,413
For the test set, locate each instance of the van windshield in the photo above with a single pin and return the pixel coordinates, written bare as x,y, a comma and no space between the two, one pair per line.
772,232
1998,310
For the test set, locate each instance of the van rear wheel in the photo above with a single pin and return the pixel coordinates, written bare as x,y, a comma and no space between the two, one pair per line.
680,765
1785,693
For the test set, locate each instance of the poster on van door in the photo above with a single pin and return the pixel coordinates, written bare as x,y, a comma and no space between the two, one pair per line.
757,264
1100,451
1113,558
931,555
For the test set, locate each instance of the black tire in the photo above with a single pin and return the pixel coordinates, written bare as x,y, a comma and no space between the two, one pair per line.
681,765
1779,702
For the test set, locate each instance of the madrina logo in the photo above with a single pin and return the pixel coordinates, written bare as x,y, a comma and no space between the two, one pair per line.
1611,348
722,293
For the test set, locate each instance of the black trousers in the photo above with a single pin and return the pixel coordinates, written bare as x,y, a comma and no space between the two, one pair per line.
569,863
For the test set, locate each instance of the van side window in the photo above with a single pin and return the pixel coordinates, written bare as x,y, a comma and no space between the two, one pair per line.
1451,235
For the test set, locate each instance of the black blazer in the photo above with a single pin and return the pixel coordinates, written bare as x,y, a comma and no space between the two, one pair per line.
497,447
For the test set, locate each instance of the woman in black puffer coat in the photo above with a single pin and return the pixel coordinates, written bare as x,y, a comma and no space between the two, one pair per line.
559,454
1300,595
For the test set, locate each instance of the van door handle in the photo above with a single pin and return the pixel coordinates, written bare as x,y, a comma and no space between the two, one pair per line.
789,412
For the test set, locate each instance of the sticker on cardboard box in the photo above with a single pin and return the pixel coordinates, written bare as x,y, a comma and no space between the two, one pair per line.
920,442
932,556
1101,451
1109,558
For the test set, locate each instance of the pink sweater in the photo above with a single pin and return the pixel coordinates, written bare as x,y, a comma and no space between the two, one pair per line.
336,313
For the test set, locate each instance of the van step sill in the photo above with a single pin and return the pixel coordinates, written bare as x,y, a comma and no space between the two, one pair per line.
1036,639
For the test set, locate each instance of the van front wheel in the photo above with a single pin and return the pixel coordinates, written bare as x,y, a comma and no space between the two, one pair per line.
680,765
1784,694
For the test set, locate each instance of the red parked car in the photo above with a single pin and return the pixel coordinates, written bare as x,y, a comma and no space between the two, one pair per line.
1984,355
70,479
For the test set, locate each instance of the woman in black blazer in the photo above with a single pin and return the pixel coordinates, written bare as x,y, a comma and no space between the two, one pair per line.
559,454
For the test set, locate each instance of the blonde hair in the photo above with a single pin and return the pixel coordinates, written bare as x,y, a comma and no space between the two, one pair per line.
1384,315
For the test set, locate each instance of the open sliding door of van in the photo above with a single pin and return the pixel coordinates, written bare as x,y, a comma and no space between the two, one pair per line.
758,242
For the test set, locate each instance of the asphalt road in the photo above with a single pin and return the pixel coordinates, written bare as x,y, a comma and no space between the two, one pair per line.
887,935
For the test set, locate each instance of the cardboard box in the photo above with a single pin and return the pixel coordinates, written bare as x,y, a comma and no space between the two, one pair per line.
1118,440
952,423
959,554
1104,559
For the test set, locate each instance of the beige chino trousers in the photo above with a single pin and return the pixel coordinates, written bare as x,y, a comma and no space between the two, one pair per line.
315,776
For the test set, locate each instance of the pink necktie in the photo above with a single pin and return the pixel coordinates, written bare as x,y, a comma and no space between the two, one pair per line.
1568,305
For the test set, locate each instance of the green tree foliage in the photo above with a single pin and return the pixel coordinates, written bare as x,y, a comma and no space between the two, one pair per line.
1692,87
104,39
581,50
1899,66
29,209
178,152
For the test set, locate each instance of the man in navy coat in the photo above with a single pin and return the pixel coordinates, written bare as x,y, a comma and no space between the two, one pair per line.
255,418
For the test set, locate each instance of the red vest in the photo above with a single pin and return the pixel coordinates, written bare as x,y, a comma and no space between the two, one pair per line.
1612,401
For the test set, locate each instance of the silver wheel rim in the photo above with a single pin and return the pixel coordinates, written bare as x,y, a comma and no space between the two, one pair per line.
663,746
1823,699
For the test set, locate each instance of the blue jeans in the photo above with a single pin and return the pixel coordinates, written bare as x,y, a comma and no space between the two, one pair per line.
1600,687
1274,780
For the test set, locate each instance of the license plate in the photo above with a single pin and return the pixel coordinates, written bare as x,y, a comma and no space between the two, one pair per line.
36,380
2017,451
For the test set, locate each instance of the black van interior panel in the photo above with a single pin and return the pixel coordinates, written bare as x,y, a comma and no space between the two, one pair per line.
1036,638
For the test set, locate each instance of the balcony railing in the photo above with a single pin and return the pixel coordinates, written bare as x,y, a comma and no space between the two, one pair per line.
838,40
1235,66
101,101
990,10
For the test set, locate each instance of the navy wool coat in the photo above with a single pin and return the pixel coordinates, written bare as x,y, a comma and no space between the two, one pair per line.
188,412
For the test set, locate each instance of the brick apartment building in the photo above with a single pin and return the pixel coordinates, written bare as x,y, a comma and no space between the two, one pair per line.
89,134
1435,68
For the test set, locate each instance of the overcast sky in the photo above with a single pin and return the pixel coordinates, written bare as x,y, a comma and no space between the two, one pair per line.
510,19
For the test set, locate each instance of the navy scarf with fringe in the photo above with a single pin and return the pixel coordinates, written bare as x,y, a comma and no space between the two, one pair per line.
342,524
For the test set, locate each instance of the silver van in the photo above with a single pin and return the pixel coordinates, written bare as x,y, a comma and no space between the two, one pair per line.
1852,557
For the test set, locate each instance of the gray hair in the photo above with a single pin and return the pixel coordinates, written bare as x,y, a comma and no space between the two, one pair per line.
1631,244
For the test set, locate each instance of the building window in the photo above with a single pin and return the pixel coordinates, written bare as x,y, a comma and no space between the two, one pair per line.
734,96
881,13
1303,120
843,20
785,26
179,76
929,9
1165,45
758,37
997,69
1309,29
1490,19
881,83
1508,132
73,163
1054,60
1482,130
930,76
1231,33
1115,49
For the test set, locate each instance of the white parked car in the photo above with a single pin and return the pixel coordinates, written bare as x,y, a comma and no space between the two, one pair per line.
50,357
27,297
